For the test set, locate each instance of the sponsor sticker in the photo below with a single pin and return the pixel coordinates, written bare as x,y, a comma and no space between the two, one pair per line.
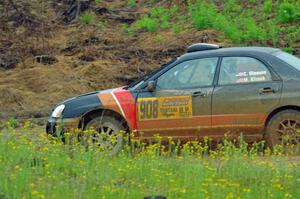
251,76
175,107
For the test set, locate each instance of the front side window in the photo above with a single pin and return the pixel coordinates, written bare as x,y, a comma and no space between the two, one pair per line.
189,74
238,70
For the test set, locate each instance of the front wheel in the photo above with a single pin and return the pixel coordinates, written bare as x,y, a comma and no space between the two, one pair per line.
107,133
284,129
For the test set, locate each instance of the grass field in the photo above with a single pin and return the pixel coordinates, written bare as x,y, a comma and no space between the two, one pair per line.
34,166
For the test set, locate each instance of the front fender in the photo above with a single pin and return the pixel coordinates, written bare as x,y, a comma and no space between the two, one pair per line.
80,105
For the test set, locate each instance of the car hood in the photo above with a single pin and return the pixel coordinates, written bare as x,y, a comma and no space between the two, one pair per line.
76,106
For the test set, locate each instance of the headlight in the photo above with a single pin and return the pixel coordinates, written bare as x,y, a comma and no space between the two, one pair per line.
58,111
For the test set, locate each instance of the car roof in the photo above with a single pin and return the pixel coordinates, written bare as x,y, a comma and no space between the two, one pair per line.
231,50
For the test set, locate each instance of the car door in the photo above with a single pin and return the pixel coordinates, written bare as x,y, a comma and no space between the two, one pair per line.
180,106
246,92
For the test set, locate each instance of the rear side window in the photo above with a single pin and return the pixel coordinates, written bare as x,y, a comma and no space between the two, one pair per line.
238,70
290,59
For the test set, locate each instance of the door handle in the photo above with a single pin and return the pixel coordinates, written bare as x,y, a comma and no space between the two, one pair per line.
199,94
266,90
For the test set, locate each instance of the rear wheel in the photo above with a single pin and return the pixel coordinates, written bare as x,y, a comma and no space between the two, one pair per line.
284,129
107,133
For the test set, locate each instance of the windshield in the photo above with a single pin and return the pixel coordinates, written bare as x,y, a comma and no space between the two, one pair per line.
142,79
290,59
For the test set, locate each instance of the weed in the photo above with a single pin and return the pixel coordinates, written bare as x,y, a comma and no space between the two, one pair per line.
128,30
100,25
291,33
202,15
98,1
87,18
287,12
251,31
288,49
147,23
158,18
272,31
176,28
232,8
268,7
131,3
12,122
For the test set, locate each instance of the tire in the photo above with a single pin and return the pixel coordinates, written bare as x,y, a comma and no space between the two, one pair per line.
284,129
107,133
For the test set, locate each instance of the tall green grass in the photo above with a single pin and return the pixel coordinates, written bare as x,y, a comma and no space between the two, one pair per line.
36,166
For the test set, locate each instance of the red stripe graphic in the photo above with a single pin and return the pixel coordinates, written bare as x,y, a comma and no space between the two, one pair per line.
128,105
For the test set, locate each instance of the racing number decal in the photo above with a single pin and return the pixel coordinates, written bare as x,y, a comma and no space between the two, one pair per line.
148,108
164,108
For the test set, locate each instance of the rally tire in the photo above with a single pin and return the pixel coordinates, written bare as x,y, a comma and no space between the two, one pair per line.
283,129
107,127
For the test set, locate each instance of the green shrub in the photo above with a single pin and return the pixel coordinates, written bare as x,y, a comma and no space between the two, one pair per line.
176,28
87,18
157,18
288,49
149,24
128,30
220,22
202,15
251,31
287,12
272,31
131,3
268,6
291,34
232,8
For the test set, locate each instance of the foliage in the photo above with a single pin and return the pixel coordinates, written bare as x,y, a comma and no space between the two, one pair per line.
12,122
268,6
272,31
158,18
202,15
36,166
128,30
239,24
131,3
98,1
287,12
251,31
232,8
176,28
147,23
291,34
100,25
243,29
87,18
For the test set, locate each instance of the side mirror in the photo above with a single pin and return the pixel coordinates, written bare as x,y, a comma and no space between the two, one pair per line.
151,86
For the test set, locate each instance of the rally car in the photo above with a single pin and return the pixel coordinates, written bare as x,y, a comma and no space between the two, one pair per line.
209,91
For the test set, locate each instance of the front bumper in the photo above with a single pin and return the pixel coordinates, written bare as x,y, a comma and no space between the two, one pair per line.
58,126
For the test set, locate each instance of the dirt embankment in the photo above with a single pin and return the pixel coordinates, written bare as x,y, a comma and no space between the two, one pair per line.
78,58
